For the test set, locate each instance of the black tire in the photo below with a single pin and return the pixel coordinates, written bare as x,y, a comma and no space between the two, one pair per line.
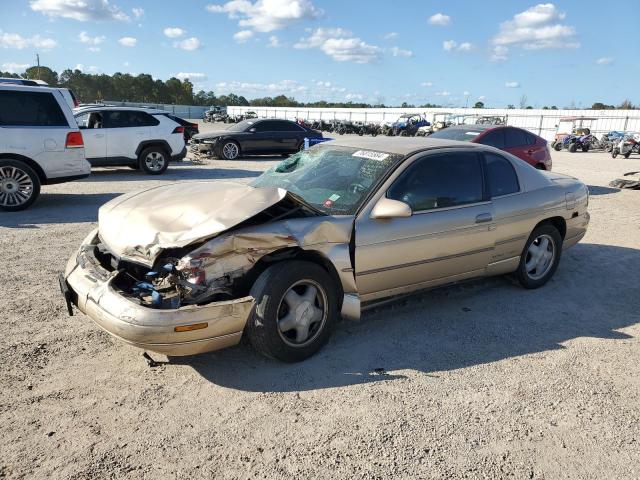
226,150
404,133
540,166
573,148
19,185
269,292
523,274
153,160
615,152
557,147
585,148
627,155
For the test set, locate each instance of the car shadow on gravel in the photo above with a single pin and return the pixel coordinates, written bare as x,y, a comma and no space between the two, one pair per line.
454,327
598,190
53,208
125,174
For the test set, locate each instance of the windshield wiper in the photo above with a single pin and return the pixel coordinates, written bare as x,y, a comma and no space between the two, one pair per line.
305,204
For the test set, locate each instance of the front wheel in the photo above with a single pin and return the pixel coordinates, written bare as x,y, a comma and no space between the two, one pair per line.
540,257
19,185
573,148
628,154
615,152
230,150
295,309
557,147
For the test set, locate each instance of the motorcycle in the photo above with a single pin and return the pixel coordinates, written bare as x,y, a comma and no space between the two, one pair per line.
629,144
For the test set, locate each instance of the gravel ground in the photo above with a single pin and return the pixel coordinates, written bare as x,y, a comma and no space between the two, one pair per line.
481,380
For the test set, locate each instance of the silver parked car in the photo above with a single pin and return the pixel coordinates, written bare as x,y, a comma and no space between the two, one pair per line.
187,268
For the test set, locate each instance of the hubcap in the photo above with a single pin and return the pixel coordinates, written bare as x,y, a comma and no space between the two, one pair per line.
230,151
16,187
540,257
302,313
154,161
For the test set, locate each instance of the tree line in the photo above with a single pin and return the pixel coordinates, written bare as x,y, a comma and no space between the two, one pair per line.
143,88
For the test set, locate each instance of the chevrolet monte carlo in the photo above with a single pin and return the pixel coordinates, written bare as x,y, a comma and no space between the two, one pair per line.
187,268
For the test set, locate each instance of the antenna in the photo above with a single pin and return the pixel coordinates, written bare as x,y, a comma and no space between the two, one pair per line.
38,61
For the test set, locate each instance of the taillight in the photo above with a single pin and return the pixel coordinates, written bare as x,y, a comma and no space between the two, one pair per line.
74,140
178,130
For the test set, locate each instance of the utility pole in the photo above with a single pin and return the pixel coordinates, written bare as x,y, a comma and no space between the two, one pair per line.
38,61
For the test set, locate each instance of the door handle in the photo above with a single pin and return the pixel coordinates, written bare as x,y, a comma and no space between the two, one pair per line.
484,218
100,135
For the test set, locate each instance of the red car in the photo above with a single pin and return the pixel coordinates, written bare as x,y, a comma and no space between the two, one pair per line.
517,141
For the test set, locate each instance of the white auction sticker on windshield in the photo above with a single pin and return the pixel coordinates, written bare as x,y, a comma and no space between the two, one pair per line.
371,155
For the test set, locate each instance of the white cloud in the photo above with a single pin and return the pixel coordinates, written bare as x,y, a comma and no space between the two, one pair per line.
353,96
81,10
138,12
440,19
512,84
466,93
128,41
443,93
538,27
189,44
242,36
192,76
605,61
499,54
452,45
267,15
391,36
174,32
340,45
426,84
399,52
14,67
90,69
481,98
85,38
286,87
17,41
274,42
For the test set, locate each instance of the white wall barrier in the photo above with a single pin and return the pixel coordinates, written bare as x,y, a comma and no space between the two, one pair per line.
540,122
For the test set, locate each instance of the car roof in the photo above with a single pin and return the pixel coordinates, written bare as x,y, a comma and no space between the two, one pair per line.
398,145
28,88
151,111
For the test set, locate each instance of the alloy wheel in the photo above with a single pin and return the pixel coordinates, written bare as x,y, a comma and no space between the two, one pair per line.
540,257
230,151
302,313
16,186
155,161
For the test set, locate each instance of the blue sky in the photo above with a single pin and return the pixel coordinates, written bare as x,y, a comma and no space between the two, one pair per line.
561,53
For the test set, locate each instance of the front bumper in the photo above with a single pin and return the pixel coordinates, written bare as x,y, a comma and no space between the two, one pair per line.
88,286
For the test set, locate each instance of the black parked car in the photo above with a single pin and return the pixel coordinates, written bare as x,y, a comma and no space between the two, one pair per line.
190,128
255,137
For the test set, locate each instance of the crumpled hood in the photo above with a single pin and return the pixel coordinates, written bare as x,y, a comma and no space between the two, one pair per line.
137,226
210,135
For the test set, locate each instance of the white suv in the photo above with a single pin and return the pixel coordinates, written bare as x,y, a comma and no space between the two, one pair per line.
40,144
141,138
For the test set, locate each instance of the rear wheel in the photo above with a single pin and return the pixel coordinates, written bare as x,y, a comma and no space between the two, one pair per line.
615,152
627,155
154,161
585,148
540,257
19,185
557,146
295,309
573,148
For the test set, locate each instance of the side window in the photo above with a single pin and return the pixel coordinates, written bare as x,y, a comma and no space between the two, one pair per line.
89,120
501,175
531,139
117,119
289,127
514,137
30,109
495,138
142,119
264,126
440,181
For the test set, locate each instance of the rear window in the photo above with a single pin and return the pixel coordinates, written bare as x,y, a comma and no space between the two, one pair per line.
502,177
460,134
514,137
30,109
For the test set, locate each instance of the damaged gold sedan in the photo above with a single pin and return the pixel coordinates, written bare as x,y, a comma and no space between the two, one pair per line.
182,269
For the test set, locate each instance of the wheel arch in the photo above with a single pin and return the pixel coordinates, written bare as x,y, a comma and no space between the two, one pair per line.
30,162
153,143
558,222
294,253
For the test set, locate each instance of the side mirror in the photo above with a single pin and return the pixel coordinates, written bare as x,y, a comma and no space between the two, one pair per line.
388,208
